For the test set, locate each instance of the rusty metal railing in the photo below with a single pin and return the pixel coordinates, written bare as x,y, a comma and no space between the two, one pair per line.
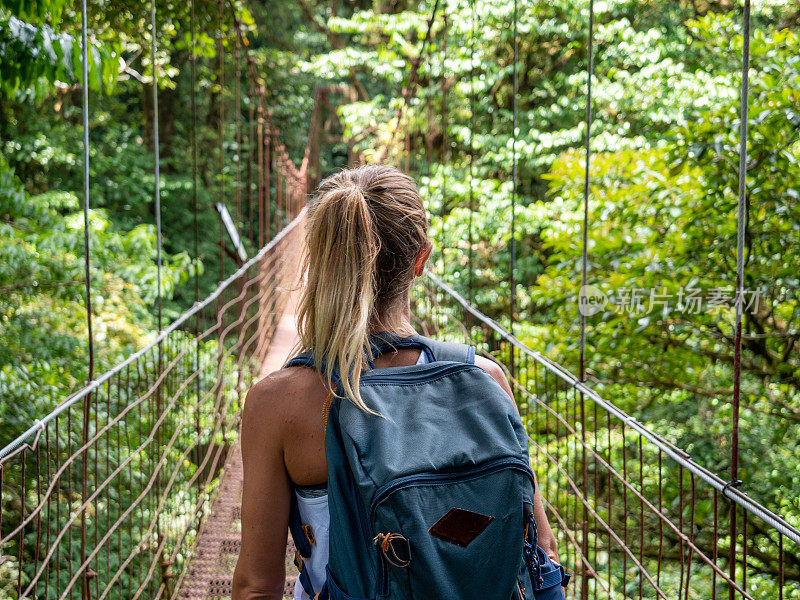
104,496
636,517
124,469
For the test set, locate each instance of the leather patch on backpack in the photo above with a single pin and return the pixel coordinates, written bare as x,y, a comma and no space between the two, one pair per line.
460,526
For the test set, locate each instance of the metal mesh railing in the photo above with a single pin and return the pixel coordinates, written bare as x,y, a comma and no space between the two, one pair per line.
103,497
635,516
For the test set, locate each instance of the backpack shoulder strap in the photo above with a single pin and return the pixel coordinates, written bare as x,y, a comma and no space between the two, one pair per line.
301,533
451,351
436,350
303,538
305,359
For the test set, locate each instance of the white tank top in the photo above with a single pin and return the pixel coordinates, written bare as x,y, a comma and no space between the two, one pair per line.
314,512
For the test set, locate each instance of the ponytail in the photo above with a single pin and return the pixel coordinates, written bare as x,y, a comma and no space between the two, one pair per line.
361,224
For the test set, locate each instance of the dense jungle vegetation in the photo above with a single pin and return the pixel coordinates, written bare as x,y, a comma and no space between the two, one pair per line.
667,75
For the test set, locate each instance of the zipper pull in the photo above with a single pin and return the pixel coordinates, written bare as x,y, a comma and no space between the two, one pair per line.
398,556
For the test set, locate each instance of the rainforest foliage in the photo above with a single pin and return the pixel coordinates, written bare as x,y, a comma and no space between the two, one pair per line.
662,206
662,203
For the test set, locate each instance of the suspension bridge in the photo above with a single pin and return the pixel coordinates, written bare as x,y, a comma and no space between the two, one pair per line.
131,487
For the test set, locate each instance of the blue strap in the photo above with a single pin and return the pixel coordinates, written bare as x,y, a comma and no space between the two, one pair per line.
296,528
324,594
306,359
565,577
301,543
385,342
553,578
434,350
305,581
453,352
545,573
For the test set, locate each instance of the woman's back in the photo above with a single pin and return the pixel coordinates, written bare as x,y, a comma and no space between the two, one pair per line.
366,243
282,448
312,503
296,396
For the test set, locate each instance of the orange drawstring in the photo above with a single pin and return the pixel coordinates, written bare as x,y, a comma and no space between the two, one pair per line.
385,541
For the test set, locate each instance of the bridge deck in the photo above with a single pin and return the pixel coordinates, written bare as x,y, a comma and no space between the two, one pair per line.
211,572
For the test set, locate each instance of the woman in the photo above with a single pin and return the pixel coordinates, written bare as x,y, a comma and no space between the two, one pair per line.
367,242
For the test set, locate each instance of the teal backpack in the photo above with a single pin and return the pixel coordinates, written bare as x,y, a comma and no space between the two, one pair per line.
434,497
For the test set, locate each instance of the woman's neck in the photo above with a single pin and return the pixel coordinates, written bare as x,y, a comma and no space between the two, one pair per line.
397,319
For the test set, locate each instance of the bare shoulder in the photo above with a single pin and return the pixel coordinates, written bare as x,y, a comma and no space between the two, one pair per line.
491,367
495,370
279,398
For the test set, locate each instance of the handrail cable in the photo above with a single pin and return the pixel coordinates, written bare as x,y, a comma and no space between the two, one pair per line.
195,200
514,119
582,293
586,182
678,455
569,388
156,157
445,143
197,307
86,243
741,225
221,132
472,103
157,210
87,268
237,116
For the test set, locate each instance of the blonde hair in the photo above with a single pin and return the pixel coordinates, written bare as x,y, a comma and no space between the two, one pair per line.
364,231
